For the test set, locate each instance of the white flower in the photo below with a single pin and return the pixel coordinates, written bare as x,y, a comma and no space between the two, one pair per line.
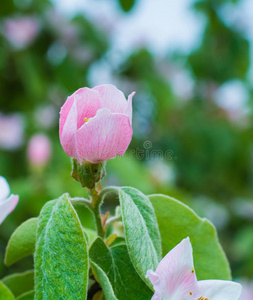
175,279
7,204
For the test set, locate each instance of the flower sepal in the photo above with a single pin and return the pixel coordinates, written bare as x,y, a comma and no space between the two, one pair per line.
86,173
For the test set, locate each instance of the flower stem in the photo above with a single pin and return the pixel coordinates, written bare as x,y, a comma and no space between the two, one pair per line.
95,208
96,199
100,228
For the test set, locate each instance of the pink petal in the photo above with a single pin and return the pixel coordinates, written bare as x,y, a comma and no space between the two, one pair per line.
176,271
64,113
155,280
69,130
87,103
4,189
156,297
111,98
129,110
247,291
7,206
219,289
104,136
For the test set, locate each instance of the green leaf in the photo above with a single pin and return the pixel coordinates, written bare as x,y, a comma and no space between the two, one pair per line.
141,231
116,274
22,242
5,293
119,240
20,283
27,296
90,233
61,257
104,281
176,222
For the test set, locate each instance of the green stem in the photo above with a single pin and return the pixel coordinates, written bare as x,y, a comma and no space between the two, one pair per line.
95,207
100,228
96,202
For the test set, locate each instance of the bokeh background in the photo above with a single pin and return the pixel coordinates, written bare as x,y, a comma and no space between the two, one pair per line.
190,63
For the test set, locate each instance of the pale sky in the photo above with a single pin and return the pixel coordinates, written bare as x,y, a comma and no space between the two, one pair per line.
162,25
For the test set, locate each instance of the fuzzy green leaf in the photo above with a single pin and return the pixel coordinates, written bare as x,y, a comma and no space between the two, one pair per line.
176,222
27,296
116,274
22,242
141,231
61,257
104,281
20,283
90,233
5,293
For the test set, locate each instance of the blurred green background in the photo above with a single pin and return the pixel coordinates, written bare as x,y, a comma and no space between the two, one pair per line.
193,126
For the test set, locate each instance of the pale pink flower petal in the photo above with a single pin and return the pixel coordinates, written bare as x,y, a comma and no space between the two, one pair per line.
7,206
157,284
4,189
156,297
111,98
64,113
176,272
69,130
153,277
84,103
247,291
219,289
104,136
87,103
128,109
175,279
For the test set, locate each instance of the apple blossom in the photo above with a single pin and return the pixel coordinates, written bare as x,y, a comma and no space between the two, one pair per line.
7,204
95,124
39,149
20,31
175,279
11,131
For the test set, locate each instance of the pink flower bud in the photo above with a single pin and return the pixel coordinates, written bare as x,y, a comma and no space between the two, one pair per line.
39,150
95,124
